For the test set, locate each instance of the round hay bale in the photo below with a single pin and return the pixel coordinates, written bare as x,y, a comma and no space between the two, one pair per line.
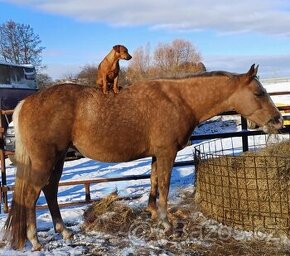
250,191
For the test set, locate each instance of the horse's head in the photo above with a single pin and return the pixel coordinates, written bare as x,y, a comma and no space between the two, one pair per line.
254,103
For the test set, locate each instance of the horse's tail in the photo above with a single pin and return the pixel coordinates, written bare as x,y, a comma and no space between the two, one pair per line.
15,226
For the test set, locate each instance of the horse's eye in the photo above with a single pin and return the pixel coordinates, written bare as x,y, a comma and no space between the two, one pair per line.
259,94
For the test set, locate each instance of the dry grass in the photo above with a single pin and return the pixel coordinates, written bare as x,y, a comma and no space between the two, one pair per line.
193,233
250,191
109,215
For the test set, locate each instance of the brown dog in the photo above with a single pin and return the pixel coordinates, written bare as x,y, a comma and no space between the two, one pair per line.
108,69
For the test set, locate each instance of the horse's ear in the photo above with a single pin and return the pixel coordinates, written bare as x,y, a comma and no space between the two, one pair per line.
117,48
252,73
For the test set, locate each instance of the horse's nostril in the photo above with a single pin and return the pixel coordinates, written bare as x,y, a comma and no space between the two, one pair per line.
277,119
274,119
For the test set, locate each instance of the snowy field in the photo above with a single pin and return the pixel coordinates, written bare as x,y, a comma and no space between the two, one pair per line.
182,178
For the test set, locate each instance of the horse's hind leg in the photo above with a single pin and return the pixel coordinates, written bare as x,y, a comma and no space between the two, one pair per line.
40,172
152,208
30,202
50,192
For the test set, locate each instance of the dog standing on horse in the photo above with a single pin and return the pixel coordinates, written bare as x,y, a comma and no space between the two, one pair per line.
108,70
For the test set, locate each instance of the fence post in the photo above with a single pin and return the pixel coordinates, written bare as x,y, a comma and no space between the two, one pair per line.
88,193
244,136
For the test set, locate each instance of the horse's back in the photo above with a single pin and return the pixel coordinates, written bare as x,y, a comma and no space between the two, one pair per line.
122,127
47,117
103,127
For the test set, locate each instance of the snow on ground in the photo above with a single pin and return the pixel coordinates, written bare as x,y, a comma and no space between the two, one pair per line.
182,177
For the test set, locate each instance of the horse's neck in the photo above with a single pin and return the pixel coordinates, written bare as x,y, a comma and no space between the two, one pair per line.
208,98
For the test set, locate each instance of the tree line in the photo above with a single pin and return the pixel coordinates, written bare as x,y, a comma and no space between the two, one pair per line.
20,45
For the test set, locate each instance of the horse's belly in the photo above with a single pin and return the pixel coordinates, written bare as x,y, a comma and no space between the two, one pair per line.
116,153
118,142
104,156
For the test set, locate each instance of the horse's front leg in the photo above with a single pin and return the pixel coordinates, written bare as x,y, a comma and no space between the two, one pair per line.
164,168
152,208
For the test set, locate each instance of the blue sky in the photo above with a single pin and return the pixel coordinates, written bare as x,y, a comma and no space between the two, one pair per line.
230,35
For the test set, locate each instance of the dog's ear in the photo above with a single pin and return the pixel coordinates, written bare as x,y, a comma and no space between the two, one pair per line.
117,48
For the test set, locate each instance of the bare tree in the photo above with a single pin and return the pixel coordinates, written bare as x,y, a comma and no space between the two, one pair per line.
88,75
170,58
139,66
163,57
44,80
19,44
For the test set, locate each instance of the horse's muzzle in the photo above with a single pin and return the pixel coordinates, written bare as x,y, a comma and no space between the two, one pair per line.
276,122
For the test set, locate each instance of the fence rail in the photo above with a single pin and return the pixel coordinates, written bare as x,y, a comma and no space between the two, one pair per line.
87,184
244,134
275,80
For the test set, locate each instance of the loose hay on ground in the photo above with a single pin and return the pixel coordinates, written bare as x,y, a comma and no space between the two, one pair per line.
109,215
250,191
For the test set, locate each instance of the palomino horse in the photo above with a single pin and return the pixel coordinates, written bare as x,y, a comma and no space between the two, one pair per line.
154,118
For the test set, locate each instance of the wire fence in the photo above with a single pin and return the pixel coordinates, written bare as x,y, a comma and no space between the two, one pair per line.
251,190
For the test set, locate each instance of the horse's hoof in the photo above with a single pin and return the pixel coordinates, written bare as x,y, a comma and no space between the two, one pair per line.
67,234
37,247
153,212
168,231
154,216
168,228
